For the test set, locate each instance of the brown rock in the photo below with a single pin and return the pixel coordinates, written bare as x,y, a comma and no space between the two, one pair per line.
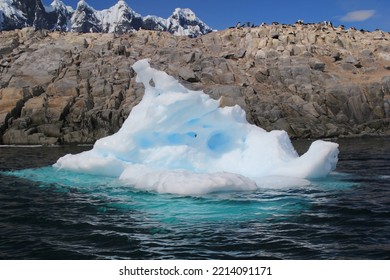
311,82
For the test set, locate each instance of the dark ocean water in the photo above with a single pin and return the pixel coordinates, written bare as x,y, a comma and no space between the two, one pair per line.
46,214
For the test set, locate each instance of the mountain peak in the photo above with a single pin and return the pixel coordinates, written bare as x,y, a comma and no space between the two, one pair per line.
82,4
183,21
85,19
184,12
120,18
58,5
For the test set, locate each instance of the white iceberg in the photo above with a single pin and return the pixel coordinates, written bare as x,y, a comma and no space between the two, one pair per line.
181,141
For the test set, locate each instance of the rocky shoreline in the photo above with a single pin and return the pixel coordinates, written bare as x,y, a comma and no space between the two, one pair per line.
314,81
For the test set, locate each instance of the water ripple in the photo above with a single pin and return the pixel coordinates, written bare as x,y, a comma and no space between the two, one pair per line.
46,215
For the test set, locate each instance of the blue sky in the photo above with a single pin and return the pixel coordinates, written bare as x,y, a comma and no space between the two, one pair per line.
221,14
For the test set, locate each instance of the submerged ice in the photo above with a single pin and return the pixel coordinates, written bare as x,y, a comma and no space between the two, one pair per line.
181,141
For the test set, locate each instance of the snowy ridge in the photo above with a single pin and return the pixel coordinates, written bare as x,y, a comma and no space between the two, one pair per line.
120,18
85,19
155,23
10,15
58,5
63,12
9,10
185,22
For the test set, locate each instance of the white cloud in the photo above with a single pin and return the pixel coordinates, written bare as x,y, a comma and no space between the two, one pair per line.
360,15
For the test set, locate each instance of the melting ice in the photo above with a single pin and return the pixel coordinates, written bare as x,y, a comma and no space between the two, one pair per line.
181,141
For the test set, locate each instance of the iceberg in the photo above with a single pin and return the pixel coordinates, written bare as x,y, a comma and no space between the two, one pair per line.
181,141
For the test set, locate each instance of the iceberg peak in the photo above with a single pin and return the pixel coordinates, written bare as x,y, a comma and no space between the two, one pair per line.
181,141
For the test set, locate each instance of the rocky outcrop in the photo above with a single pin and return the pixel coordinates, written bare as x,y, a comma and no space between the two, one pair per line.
310,80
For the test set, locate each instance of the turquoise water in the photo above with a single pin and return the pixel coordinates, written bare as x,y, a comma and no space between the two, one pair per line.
50,214
235,206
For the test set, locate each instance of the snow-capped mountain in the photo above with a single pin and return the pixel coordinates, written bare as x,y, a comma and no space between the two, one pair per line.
21,13
60,15
185,22
120,18
154,23
10,16
85,19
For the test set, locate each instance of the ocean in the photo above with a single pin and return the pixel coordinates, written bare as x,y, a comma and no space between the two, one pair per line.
46,214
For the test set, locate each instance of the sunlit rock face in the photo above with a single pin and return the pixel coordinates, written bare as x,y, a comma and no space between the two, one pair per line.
181,141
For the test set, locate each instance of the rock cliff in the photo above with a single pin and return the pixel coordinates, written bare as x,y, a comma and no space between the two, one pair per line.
310,80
